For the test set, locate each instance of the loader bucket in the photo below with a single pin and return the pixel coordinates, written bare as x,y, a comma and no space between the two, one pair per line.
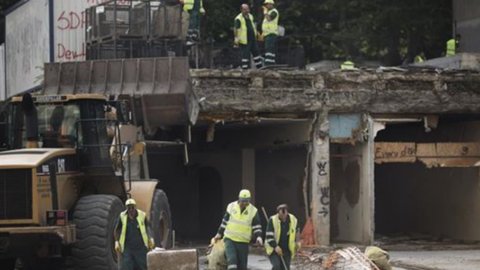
162,84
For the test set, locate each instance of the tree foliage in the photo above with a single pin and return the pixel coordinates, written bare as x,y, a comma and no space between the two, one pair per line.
384,30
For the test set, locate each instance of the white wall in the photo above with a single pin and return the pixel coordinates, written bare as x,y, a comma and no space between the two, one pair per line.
2,72
26,45
69,28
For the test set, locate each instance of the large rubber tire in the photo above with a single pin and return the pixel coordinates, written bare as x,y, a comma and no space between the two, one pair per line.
161,220
95,217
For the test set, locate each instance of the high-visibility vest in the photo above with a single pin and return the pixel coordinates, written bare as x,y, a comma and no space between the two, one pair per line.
239,225
188,5
270,27
241,33
141,225
419,59
292,233
347,65
451,47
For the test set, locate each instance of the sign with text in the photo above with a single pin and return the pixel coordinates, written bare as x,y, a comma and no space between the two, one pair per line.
69,28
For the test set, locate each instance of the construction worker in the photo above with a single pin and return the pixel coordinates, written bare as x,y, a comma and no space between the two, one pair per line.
270,32
132,237
347,65
240,221
194,8
281,240
452,45
245,36
419,58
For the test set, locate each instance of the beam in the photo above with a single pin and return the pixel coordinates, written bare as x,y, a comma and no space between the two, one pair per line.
320,179
409,92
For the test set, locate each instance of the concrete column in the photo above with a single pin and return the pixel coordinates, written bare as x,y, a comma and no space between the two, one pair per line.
320,179
248,171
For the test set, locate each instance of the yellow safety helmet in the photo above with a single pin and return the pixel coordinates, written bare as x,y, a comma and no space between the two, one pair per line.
244,195
269,2
130,202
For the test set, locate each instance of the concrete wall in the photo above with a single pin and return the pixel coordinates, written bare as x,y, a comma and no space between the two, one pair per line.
351,194
2,72
467,21
279,179
27,45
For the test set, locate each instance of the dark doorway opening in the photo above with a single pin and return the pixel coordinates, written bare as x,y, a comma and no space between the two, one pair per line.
210,201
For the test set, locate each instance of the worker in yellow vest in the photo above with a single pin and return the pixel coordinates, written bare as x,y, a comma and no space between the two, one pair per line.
419,58
132,237
194,9
270,32
452,45
240,221
245,35
282,238
348,65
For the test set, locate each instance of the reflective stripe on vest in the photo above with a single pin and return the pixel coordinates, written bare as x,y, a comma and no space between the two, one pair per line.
292,233
188,4
451,47
347,65
270,27
141,225
239,226
242,31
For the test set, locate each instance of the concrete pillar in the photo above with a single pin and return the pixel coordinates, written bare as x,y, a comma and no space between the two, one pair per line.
248,171
320,179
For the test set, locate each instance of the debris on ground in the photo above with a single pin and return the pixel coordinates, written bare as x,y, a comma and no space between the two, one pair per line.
379,257
350,258
216,257
308,233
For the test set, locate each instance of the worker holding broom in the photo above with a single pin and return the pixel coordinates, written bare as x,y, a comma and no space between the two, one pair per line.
282,238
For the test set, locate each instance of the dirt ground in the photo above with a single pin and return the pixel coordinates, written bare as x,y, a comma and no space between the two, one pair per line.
401,260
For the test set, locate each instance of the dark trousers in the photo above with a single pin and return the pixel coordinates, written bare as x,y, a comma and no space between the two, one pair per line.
237,254
270,49
277,262
250,48
194,25
134,259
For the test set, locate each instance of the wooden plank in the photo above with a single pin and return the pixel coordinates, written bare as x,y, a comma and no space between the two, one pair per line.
458,154
395,152
462,149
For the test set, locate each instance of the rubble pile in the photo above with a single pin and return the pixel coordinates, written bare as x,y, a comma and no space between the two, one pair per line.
348,259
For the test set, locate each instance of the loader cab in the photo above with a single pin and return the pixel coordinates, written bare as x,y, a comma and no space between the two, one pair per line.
66,121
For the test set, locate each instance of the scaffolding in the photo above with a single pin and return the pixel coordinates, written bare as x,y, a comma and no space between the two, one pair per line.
134,29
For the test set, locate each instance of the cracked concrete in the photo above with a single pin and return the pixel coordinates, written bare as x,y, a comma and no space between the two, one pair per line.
387,91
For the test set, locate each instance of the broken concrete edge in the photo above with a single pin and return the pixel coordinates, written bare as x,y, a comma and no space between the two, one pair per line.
420,91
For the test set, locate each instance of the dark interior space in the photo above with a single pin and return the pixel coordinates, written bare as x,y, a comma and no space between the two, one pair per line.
417,201
268,158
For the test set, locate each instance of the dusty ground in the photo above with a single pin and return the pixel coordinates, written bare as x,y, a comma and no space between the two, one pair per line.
447,259
402,260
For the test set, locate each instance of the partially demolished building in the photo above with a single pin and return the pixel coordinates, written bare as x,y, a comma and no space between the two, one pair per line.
363,153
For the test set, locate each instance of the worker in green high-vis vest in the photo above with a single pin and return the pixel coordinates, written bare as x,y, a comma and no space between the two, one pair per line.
132,237
282,239
194,9
240,222
245,34
270,32
452,45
